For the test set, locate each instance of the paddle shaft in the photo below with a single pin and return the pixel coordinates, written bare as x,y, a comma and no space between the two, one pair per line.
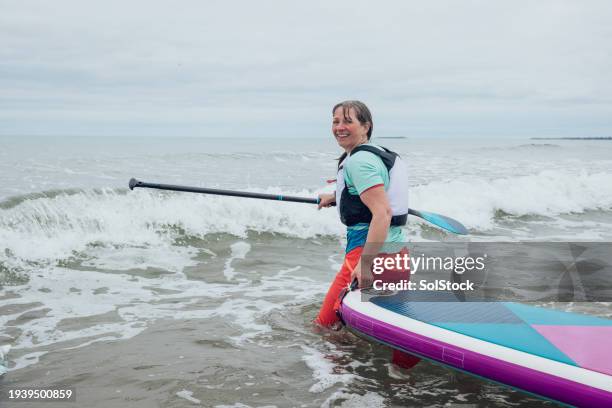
441,221
277,197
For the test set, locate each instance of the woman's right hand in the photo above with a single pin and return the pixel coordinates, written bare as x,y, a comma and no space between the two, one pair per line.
326,200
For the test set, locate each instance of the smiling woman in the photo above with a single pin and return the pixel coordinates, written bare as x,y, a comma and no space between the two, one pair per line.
371,196
372,199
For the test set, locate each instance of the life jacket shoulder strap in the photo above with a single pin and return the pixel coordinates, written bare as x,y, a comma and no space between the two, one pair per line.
387,156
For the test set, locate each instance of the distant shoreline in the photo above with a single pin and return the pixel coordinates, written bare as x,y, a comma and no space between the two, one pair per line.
571,138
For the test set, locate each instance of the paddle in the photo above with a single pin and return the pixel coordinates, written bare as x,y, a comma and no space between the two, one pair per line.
441,221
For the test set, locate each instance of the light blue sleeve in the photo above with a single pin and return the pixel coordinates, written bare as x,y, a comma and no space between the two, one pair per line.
364,170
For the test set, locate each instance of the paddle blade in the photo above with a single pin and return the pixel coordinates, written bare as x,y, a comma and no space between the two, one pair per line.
441,221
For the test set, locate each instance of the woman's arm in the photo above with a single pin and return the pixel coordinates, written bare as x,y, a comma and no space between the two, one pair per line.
377,202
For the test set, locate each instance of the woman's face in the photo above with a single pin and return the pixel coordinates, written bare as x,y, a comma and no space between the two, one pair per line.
348,131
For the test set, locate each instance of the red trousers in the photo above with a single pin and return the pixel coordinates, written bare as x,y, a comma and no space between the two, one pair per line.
327,314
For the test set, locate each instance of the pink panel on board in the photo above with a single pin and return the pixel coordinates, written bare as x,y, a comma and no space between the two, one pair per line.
588,346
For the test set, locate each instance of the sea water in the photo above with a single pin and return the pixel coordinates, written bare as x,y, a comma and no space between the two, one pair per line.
149,297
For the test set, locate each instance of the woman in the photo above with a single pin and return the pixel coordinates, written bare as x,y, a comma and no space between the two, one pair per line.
372,199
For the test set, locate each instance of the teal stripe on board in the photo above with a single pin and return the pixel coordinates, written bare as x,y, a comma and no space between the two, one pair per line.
540,315
517,336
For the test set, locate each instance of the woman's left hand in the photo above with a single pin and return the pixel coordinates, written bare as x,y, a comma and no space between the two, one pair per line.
364,280
356,273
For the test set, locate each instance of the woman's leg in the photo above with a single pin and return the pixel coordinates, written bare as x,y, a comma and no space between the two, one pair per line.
404,360
327,315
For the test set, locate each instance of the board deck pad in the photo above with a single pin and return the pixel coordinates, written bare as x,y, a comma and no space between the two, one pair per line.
570,338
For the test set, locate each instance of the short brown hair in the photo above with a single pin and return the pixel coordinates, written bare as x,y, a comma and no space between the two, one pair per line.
361,110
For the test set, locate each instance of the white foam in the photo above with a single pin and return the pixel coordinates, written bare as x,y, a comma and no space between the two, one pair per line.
239,250
323,371
188,395
93,224
70,294
353,400
175,259
27,359
241,405
48,229
475,200
261,299
3,358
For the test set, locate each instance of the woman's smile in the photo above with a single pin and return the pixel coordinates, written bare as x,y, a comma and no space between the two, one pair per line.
347,129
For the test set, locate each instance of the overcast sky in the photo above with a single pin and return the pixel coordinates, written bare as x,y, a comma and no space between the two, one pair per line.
227,68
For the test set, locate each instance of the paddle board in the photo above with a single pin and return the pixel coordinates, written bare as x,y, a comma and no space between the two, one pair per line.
561,356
